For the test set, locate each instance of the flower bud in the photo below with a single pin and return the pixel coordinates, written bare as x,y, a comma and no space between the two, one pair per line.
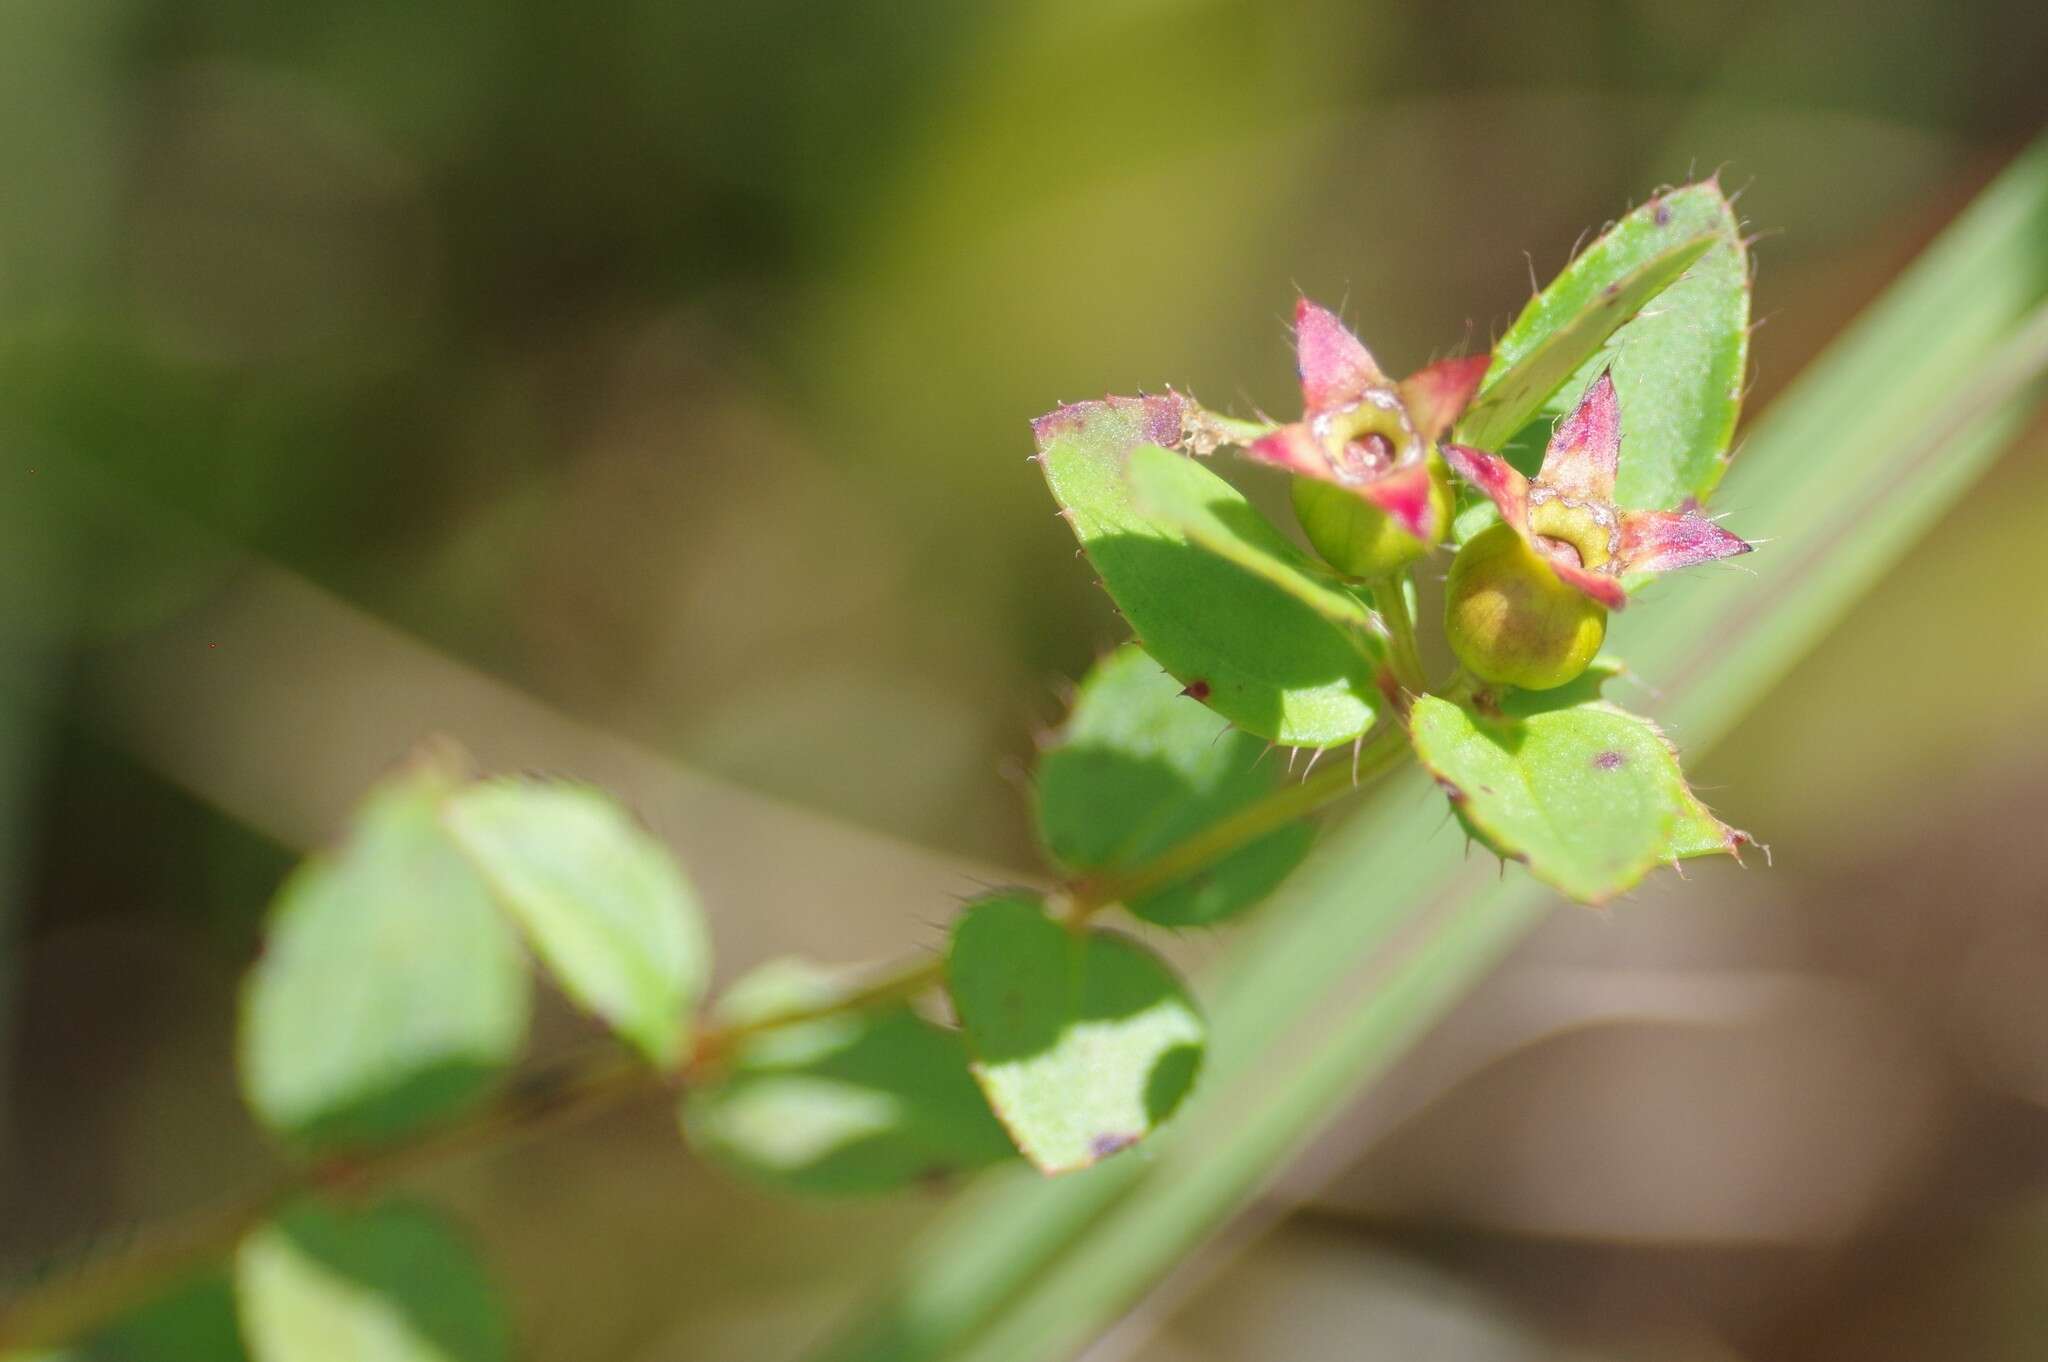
1511,620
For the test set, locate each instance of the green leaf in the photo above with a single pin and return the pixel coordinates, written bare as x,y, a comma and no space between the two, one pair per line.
1696,832
1678,366
1138,768
385,1285
1589,797
193,1322
1083,1041
858,1102
390,991
1564,327
1271,663
1177,492
1476,512
604,904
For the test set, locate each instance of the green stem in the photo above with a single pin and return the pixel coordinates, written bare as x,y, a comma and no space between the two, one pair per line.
69,1306
54,1313
1210,430
596,1080
904,982
1390,594
1246,826
601,1078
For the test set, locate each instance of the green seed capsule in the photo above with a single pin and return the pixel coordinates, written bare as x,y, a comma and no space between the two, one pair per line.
1358,538
1511,621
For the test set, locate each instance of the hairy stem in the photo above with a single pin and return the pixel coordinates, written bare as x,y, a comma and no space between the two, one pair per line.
903,982
67,1306
1390,594
1246,826
1208,430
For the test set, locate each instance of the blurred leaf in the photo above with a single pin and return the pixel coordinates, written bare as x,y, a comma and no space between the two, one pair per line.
604,903
864,1101
1589,797
1083,1040
165,438
1271,664
1138,768
1380,934
193,1322
63,84
390,990
391,1284
104,445
1678,363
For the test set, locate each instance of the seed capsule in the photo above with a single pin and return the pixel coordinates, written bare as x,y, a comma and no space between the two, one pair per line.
1510,619
1359,538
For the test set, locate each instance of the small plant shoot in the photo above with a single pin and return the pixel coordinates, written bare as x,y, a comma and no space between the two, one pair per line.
1546,483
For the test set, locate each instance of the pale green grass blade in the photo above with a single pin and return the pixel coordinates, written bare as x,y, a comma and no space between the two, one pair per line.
1390,924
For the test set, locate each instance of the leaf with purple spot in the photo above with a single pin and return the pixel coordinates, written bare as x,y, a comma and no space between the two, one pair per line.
1588,796
1083,1040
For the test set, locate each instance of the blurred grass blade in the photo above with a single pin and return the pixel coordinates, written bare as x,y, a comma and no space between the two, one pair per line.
1387,927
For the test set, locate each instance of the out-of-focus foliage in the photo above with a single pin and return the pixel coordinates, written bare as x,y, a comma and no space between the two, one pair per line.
860,1102
384,1284
195,1319
391,990
603,902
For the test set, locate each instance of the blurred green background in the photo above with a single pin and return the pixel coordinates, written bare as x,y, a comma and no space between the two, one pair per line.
640,389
